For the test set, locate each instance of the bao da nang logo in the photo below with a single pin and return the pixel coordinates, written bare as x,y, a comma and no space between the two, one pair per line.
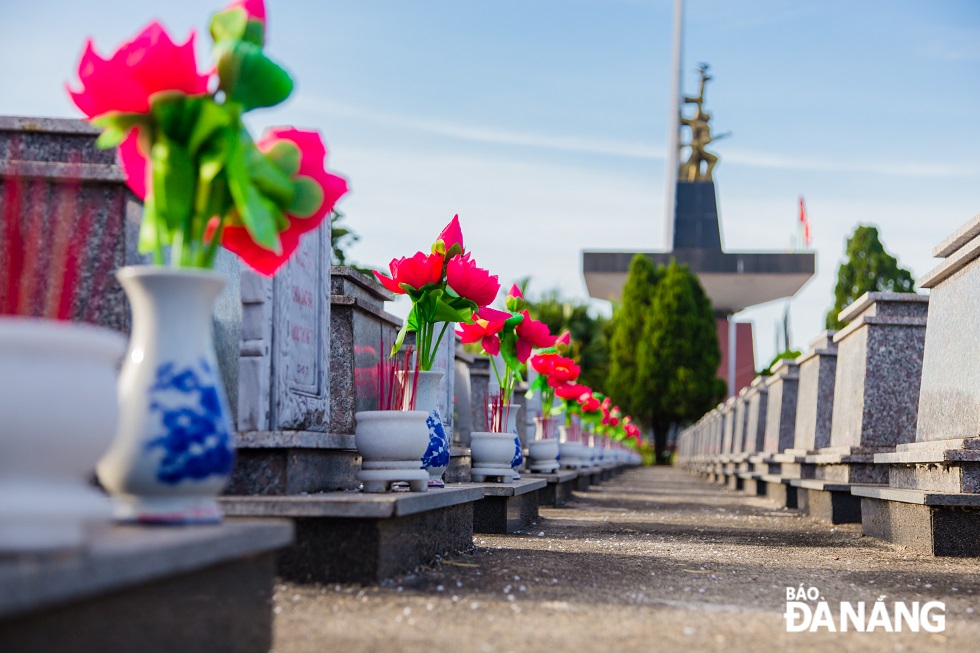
807,611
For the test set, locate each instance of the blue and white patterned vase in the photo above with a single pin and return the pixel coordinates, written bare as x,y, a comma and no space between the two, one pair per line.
174,448
518,460
436,457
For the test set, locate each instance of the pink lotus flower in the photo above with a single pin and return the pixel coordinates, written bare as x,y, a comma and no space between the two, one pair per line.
151,63
589,403
532,334
471,282
492,314
414,272
312,154
484,332
254,9
571,391
515,300
451,235
134,164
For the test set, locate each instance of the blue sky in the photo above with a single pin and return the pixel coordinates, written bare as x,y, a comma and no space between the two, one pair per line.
543,122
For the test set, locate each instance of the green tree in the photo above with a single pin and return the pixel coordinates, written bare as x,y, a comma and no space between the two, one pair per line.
629,320
791,354
341,237
867,268
677,356
590,347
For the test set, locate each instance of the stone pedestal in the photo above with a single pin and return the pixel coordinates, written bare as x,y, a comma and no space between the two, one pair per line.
365,538
507,507
199,589
876,396
559,488
932,502
814,404
783,388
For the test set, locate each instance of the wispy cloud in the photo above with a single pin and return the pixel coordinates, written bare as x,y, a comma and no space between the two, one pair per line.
632,149
484,134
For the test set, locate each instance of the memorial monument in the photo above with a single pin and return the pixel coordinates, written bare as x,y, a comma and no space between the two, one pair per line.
733,280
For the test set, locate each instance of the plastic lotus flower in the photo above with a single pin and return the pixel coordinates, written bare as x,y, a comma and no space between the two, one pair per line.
316,191
482,331
445,286
413,273
187,153
149,64
532,334
464,278
507,340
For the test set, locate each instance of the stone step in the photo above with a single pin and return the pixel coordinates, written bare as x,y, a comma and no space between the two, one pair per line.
365,538
147,585
506,507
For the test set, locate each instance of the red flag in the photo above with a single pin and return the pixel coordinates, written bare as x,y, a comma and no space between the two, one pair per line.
805,223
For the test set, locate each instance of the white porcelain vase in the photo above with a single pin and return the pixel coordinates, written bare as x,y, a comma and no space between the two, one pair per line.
435,460
58,411
573,454
390,443
174,449
543,451
492,454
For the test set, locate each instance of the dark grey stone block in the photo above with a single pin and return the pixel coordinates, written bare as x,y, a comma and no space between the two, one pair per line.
270,470
780,492
507,507
832,506
558,490
195,589
936,530
358,537
460,463
349,550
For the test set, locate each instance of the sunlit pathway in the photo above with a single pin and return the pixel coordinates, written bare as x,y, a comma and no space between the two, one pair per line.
653,560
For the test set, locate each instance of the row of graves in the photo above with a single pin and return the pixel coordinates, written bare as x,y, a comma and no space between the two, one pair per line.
292,351
877,424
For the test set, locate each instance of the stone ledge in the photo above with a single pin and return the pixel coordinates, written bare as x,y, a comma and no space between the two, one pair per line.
561,476
294,440
826,486
119,557
957,239
918,497
935,451
775,478
512,489
355,505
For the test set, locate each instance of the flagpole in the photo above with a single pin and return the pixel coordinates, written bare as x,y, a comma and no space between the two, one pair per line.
673,127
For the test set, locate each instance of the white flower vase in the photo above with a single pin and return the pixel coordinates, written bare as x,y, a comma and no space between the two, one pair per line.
572,453
173,452
435,460
390,443
542,451
492,454
518,460
58,411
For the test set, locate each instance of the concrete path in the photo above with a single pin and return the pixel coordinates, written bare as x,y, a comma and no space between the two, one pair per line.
655,560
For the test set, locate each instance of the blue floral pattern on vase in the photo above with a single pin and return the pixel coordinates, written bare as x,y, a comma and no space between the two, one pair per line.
518,453
196,439
437,455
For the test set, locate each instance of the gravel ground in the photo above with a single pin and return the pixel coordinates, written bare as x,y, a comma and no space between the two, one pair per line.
653,560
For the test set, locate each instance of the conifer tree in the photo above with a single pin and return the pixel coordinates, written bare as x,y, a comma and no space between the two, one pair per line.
678,356
629,319
867,268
